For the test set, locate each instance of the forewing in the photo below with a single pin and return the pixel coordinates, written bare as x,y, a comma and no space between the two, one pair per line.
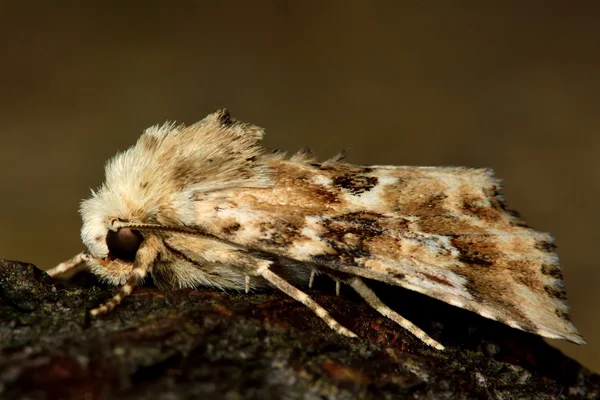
444,232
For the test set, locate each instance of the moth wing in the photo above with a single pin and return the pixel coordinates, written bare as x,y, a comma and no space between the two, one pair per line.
444,232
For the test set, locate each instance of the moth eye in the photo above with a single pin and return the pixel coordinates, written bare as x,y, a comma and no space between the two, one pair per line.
124,243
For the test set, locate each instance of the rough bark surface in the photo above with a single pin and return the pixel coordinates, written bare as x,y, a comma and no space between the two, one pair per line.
215,345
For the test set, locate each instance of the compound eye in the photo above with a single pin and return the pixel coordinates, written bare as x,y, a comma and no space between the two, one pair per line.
124,243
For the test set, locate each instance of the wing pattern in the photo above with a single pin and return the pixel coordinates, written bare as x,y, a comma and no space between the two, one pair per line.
444,232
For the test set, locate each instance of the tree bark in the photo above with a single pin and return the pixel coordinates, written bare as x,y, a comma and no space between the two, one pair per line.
210,344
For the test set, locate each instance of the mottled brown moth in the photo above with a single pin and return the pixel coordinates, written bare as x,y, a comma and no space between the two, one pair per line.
206,205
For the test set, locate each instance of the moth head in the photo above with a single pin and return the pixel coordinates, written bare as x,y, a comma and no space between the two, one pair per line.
112,251
158,179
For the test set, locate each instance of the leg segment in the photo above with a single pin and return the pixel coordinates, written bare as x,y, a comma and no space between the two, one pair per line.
311,279
371,298
68,265
303,298
247,283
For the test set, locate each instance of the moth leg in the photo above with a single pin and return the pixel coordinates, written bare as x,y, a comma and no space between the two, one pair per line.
144,259
371,298
311,280
337,287
247,283
303,298
68,265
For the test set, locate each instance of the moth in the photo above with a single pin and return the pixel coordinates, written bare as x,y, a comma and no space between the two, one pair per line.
207,205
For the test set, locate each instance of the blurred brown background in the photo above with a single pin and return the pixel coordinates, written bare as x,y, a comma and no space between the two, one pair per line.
505,85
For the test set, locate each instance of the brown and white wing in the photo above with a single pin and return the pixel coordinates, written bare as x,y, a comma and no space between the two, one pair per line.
444,232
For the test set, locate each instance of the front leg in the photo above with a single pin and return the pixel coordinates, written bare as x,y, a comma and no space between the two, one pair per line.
79,261
145,257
